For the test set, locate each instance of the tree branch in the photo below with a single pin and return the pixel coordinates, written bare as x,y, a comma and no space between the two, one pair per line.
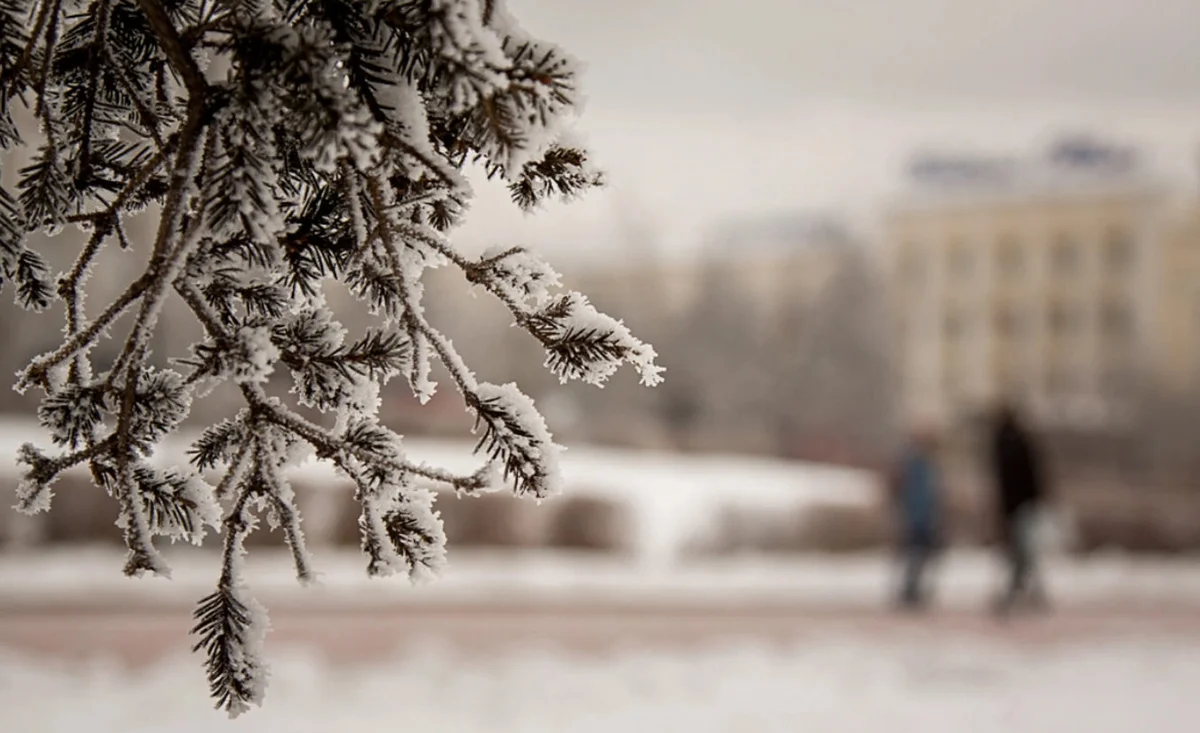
47,57
172,45
326,443
139,104
132,187
170,255
412,311
46,470
84,173
37,371
142,554
8,77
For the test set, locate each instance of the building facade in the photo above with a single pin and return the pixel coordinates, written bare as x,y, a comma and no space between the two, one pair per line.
1178,318
1058,282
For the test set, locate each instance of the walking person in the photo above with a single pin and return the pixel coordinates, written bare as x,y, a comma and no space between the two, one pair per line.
1019,480
917,497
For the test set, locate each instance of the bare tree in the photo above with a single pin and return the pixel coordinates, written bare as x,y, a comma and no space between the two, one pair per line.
831,368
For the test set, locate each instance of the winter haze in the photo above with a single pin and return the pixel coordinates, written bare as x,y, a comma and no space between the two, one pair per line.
709,108
805,525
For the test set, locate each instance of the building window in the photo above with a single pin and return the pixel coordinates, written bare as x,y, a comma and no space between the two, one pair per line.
1118,249
1008,322
1011,382
1065,319
1065,255
1117,320
1009,256
1059,381
962,259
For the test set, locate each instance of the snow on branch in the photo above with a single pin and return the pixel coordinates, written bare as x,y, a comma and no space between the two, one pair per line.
580,342
514,435
230,624
273,145
401,532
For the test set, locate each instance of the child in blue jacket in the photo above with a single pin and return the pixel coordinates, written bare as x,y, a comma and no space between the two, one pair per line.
917,497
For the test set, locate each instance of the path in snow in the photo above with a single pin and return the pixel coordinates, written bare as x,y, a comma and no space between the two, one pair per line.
963,580
350,636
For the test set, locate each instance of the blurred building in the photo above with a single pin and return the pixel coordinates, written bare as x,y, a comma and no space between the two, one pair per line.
1178,317
772,261
1066,280
769,259
781,261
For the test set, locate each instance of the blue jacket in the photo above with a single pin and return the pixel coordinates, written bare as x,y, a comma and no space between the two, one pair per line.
918,495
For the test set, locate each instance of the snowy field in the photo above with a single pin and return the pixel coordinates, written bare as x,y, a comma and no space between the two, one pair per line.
671,498
848,684
836,678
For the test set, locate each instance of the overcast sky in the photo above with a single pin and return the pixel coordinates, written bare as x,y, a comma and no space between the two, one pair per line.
705,109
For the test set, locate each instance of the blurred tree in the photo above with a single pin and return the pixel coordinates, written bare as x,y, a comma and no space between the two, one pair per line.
717,351
831,366
271,145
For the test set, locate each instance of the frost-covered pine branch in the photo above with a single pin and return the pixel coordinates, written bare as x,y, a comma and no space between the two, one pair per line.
277,144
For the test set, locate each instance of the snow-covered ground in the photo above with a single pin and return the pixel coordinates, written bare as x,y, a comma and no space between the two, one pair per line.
839,684
671,498
964,580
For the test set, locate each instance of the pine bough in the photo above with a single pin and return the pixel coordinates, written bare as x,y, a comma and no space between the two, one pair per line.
280,143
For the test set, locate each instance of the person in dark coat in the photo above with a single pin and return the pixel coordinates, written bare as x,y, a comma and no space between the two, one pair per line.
917,498
1020,484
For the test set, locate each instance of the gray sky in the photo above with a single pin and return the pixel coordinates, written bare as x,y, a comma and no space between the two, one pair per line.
701,109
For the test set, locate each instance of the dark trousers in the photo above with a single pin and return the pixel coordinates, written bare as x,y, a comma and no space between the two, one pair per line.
917,554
